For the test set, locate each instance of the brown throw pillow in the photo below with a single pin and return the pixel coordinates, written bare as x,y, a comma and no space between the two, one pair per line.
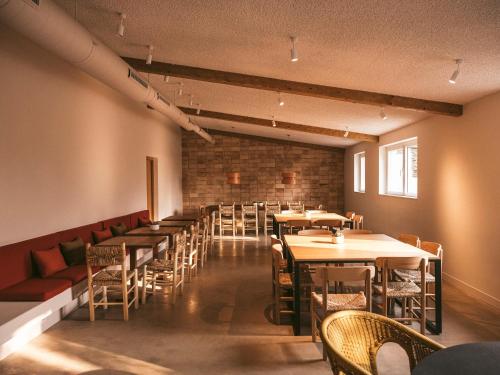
119,229
73,251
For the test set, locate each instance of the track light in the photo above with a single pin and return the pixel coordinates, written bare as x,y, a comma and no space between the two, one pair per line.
198,110
294,56
453,78
346,133
166,78
121,26
274,123
383,116
149,59
281,101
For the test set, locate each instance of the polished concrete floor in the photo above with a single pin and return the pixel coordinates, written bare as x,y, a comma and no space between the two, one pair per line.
221,325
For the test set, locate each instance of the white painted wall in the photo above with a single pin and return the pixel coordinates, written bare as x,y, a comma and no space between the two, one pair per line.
458,202
72,150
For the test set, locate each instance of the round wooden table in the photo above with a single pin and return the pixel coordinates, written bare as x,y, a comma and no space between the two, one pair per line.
467,359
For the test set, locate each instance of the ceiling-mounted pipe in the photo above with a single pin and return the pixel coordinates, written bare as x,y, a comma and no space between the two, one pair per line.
53,29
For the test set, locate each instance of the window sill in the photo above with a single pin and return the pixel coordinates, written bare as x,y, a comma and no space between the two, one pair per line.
398,196
360,192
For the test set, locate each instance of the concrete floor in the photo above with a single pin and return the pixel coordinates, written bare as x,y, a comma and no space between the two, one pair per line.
222,325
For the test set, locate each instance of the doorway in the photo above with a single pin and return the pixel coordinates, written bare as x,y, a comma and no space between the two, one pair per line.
152,186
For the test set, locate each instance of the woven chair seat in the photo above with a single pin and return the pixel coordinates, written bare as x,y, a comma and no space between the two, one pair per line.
399,289
161,265
414,275
285,279
338,302
110,278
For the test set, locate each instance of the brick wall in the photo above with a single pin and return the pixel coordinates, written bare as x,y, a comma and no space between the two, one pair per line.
260,161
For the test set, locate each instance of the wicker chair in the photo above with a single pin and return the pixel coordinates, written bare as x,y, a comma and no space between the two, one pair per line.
324,278
296,206
357,222
282,281
350,215
353,338
203,240
250,218
269,210
110,280
227,218
410,239
191,257
169,272
406,290
314,232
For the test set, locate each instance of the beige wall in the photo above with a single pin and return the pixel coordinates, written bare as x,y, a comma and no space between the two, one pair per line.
458,202
72,150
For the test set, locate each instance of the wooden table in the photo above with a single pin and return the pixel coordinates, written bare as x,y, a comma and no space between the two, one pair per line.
168,232
280,219
153,246
187,217
174,223
358,248
467,359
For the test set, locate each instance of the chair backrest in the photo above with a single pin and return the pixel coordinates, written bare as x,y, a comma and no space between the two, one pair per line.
357,353
272,208
226,209
194,230
432,247
277,251
410,239
299,206
275,240
358,231
327,223
291,212
104,256
358,221
404,263
349,215
249,209
314,232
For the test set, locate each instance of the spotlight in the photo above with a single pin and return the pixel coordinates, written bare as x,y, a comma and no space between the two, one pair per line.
149,59
453,78
274,123
166,78
281,101
121,26
383,116
346,133
294,56
198,110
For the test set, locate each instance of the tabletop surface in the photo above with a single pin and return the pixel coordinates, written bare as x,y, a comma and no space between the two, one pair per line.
133,241
467,359
283,218
357,247
187,217
146,231
175,223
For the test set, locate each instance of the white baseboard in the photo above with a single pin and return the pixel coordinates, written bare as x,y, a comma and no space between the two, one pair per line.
472,291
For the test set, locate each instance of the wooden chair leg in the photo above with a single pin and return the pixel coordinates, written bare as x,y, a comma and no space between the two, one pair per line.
136,289
153,282
91,302
144,284
105,297
313,322
125,300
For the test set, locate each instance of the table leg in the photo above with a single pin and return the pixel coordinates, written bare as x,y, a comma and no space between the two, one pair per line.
296,295
438,285
276,228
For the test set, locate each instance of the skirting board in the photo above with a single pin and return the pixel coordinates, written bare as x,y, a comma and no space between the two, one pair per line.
471,291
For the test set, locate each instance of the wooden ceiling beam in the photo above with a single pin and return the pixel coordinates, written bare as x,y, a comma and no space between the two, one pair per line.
280,125
296,88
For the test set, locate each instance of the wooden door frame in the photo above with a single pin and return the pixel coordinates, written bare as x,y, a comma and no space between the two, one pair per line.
152,186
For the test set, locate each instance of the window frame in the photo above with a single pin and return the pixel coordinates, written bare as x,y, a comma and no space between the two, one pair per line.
357,172
384,150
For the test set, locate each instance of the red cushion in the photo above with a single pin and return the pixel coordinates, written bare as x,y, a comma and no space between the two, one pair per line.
74,273
35,290
134,218
144,222
117,220
101,235
49,261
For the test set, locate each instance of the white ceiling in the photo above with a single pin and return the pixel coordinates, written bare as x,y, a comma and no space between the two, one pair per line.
396,47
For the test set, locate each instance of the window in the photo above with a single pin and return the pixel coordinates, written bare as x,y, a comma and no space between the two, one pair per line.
359,172
398,166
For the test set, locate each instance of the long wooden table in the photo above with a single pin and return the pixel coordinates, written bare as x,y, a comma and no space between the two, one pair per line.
175,223
142,250
280,219
186,217
168,232
358,248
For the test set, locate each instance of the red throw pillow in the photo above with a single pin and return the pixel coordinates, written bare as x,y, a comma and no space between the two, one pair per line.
144,222
102,235
49,261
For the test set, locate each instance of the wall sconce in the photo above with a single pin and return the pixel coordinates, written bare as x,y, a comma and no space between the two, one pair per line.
288,178
233,178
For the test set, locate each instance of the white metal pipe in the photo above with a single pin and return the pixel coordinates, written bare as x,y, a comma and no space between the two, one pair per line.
53,29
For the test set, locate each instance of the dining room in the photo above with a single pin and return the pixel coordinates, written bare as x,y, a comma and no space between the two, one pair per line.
265,187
